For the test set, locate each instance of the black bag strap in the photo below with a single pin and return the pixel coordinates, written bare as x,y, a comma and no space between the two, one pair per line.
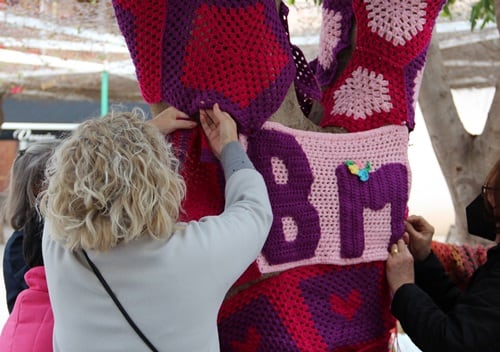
118,304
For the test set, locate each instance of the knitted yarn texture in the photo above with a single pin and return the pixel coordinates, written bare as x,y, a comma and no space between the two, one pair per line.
313,308
339,200
335,36
193,53
323,212
460,261
380,84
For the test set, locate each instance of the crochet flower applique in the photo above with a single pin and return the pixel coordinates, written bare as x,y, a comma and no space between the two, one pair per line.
357,169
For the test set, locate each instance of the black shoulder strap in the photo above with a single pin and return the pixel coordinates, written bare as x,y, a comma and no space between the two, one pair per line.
118,304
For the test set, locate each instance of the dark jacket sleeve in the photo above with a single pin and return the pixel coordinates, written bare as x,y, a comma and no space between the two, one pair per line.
14,268
471,323
431,277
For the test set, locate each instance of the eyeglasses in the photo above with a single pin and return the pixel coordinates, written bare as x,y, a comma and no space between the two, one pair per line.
485,189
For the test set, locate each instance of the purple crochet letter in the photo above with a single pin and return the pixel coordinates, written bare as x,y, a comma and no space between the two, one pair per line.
389,184
289,199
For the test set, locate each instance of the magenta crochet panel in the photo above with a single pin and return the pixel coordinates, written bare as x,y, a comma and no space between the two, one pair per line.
380,84
193,53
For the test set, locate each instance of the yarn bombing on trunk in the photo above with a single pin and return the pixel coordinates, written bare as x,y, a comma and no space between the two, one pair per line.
339,200
194,53
381,82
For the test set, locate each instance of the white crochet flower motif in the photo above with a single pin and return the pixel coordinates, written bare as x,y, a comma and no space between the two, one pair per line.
362,94
416,89
331,31
396,20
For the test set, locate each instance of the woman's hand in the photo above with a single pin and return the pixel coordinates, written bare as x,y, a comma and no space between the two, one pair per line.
219,127
420,237
399,266
171,119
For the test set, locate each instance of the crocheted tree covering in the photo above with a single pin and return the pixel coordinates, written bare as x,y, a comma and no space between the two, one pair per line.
337,22
202,173
193,53
311,309
339,200
460,261
328,206
381,81
327,210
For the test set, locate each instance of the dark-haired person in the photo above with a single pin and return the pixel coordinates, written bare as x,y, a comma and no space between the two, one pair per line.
435,314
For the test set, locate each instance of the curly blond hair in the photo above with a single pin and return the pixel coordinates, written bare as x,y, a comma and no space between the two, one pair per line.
113,180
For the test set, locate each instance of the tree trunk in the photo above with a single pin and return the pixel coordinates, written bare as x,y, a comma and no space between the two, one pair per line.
464,158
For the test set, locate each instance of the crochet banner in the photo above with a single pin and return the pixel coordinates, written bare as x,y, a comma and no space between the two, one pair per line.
336,198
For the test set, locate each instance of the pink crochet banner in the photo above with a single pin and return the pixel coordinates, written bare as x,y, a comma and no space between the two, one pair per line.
337,198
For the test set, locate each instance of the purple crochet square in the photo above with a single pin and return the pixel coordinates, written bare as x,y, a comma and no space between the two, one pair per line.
346,306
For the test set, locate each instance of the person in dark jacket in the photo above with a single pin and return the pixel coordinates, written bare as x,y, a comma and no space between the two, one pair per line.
435,314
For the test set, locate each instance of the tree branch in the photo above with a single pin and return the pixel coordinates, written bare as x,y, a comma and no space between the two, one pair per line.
490,138
447,134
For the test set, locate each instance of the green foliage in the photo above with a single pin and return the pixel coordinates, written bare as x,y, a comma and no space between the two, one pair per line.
482,11
316,2
446,9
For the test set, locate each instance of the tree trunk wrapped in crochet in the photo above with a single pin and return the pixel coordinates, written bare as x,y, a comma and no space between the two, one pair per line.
339,200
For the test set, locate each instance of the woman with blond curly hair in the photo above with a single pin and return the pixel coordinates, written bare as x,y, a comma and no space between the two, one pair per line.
123,274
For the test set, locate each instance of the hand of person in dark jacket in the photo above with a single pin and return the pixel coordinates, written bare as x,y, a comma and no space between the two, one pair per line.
420,237
219,127
399,266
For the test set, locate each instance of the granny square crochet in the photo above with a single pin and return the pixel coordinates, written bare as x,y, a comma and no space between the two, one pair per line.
311,309
339,200
460,261
380,83
336,24
193,53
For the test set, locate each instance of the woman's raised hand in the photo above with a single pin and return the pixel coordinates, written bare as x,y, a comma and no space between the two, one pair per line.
219,127
171,119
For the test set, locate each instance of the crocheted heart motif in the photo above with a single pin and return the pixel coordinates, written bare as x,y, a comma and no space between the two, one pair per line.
251,343
346,307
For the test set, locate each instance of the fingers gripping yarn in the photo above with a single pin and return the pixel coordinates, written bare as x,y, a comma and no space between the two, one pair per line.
192,54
